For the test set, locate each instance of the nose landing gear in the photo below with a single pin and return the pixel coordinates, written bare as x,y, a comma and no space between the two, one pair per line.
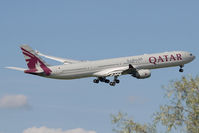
181,70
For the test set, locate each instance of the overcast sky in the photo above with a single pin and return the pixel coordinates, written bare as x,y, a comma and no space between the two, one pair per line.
89,30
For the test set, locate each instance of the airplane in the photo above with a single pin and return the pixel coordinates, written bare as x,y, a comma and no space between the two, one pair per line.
137,66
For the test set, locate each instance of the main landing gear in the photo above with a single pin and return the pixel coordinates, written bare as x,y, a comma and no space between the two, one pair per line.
103,79
115,81
181,70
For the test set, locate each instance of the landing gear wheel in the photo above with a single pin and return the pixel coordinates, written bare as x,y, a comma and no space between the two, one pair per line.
117,81
96,81
112,83
101,79
107,81
181,70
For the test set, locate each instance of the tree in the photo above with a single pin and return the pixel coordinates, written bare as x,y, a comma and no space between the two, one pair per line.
127,125
182,111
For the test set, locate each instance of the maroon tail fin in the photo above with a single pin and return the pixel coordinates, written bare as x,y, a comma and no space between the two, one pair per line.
34,62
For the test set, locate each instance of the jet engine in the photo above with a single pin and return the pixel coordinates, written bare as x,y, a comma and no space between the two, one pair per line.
142,74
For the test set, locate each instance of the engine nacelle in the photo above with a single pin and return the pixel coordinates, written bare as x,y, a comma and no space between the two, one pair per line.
142,74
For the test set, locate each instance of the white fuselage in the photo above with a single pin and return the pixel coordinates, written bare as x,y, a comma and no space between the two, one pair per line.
146,61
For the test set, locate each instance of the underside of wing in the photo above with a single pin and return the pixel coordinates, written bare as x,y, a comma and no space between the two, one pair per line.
63,60
112,72
137,73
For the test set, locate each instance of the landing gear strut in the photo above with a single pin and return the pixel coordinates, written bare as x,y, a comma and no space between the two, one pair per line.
181,70
116,80
113,83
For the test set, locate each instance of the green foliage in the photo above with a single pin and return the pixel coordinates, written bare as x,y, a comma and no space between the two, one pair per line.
183,109
181,112
126,125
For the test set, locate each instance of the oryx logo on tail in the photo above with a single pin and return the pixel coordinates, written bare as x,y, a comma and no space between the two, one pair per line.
34,62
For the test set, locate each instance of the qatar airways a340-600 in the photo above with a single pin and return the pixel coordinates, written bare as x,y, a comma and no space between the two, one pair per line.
137,66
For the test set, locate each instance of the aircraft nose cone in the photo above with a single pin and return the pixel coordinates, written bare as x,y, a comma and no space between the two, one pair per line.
194,57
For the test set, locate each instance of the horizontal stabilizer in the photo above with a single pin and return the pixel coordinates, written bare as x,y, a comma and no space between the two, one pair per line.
16,68
41,73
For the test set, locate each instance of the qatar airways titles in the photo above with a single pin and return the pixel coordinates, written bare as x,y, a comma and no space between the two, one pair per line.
136,66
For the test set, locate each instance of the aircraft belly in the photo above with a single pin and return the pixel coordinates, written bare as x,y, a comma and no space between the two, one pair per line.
72,75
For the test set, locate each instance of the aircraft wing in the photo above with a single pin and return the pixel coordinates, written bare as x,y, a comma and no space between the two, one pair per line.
63,60
116,71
